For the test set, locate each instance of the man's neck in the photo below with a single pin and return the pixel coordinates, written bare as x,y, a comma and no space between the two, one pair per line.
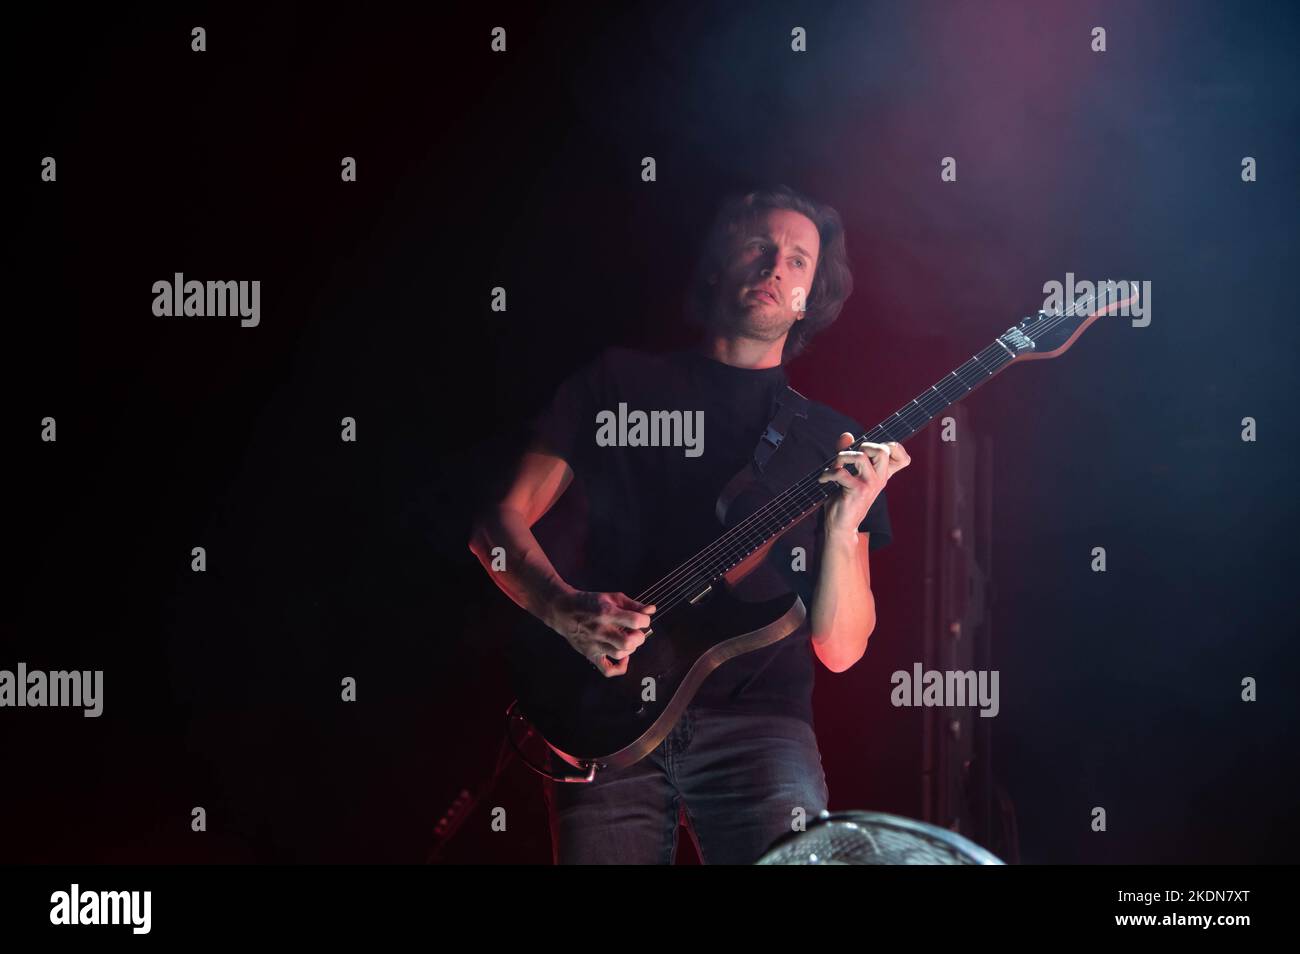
743,352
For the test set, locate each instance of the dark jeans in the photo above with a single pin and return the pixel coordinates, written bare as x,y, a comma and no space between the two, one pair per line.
741,779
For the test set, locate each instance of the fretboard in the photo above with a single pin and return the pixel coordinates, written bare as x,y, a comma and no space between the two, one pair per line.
801,499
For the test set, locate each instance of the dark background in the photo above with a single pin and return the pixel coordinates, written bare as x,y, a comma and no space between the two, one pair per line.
522,170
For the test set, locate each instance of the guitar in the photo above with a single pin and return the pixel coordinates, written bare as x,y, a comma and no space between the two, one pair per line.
593,722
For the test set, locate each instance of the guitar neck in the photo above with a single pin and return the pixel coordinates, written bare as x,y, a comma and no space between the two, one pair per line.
802,499
940,396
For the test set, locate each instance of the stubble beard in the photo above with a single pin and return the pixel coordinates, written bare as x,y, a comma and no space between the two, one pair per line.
733,321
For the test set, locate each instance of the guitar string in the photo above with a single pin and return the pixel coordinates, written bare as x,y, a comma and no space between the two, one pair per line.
790,505
782,506
777,516
727,548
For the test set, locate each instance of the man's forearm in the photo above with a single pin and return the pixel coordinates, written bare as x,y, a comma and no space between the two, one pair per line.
523,572
844,608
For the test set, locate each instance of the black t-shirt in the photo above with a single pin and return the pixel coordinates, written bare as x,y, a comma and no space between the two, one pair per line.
633,513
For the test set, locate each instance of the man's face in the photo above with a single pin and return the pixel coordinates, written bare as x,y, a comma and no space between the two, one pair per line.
767,276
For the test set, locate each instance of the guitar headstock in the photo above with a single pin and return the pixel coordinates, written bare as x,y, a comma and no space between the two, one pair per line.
1049,333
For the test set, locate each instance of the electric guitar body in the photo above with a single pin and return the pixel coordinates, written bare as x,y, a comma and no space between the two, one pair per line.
615,721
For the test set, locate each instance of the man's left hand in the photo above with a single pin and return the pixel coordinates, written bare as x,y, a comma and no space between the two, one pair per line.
874,465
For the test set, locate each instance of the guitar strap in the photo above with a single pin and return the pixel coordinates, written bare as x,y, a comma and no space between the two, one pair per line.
789,404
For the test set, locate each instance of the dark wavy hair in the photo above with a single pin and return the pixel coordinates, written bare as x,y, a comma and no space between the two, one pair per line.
832,281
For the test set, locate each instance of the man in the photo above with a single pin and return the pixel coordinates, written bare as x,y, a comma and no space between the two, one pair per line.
742,763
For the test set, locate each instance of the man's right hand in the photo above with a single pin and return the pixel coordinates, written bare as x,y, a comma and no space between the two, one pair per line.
605,628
